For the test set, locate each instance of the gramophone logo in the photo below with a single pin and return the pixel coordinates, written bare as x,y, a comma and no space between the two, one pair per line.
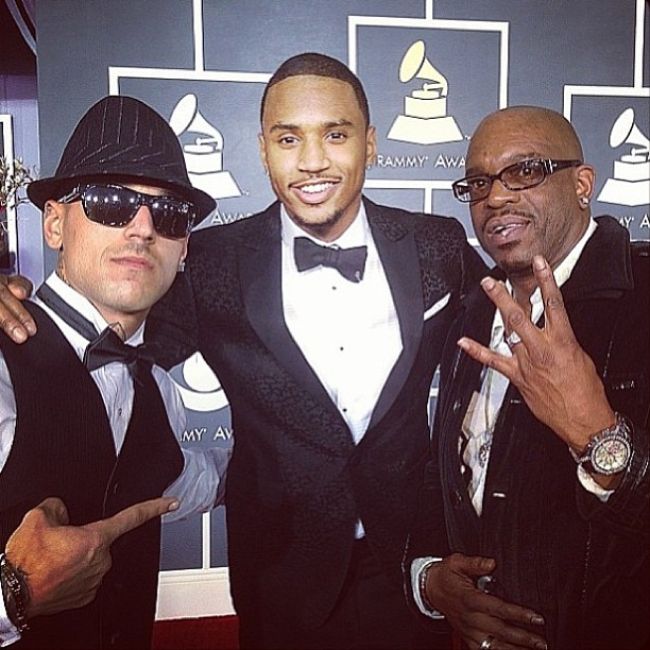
203,150
425,119
630,184
202,391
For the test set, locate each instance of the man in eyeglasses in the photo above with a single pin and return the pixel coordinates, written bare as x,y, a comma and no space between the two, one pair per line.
540,456
85,416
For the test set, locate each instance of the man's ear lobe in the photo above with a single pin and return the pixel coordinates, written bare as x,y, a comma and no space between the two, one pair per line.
53,217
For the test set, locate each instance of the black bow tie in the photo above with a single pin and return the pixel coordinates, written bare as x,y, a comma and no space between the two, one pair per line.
103,348
349,262
108,347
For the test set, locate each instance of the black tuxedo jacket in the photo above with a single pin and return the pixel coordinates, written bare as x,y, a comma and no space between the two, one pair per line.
296,481
583,564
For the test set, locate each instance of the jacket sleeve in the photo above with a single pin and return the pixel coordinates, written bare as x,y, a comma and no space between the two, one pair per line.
428,534
628,509
473,268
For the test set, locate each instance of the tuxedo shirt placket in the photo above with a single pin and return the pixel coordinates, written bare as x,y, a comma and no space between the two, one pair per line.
348,332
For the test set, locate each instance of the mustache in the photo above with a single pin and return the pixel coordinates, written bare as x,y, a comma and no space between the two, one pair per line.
137,249
508,212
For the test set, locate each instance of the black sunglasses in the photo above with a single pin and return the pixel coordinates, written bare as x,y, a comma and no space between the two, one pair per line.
116,206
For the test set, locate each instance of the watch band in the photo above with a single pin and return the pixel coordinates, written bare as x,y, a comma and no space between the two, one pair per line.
15,592
619,433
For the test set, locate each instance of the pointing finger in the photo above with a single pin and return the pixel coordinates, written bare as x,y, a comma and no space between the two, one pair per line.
132,517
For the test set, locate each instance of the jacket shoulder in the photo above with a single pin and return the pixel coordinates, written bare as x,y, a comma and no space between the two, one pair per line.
423,225
223,239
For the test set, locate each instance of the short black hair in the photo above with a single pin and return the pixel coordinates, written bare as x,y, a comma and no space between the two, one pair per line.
320,65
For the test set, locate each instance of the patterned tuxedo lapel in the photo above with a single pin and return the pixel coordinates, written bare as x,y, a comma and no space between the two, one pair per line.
395,244
260,263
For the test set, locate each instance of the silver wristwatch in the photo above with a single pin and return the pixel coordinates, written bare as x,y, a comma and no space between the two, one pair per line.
609,451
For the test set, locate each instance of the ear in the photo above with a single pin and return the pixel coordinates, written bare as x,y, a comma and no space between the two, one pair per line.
585,182
53,219
184,251
371,146
262,145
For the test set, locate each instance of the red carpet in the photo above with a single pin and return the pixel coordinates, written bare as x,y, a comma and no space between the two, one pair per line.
214,633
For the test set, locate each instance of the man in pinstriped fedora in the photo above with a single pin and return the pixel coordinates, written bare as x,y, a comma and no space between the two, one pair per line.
85,415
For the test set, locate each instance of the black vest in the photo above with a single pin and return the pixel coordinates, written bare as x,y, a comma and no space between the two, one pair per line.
63,447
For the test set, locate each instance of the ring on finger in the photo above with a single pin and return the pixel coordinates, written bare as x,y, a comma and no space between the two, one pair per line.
512,339
486,644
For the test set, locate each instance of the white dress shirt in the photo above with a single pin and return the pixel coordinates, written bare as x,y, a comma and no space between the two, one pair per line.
201,484
348,331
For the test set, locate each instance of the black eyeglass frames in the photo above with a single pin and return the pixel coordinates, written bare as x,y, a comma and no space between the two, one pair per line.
519,176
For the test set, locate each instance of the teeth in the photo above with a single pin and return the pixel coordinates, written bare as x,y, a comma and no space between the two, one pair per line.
498,230
314,189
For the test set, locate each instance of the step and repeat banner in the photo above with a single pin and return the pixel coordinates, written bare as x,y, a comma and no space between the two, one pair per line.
431,69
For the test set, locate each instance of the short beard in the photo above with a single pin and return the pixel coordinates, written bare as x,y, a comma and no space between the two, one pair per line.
321,229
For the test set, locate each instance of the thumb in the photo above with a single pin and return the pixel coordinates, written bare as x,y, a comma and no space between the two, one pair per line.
50,513
54,511
475,566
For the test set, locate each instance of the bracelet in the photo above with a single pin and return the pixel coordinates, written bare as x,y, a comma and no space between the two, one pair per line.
15,592
422,585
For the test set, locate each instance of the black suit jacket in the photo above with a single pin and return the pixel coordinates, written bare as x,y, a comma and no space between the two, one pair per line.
581,563
296,481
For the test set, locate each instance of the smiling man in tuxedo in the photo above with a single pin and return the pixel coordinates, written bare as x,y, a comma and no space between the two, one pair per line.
324,317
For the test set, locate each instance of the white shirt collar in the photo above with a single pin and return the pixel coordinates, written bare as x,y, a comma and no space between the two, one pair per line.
357,234
561,274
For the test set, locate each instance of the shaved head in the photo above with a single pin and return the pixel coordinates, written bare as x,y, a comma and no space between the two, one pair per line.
534,120
547,218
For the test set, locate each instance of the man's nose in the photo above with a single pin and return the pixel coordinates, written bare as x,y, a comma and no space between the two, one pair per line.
142,224
313,156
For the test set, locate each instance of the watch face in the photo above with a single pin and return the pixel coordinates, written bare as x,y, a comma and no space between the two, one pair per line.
610,455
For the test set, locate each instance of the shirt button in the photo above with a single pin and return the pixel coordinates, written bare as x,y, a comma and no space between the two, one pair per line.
344,410
341,348
119,412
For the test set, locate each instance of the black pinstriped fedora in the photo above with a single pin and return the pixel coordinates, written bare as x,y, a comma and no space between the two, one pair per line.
122,139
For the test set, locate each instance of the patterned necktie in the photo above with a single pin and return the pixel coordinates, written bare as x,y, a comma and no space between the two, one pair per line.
349,262
103,348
